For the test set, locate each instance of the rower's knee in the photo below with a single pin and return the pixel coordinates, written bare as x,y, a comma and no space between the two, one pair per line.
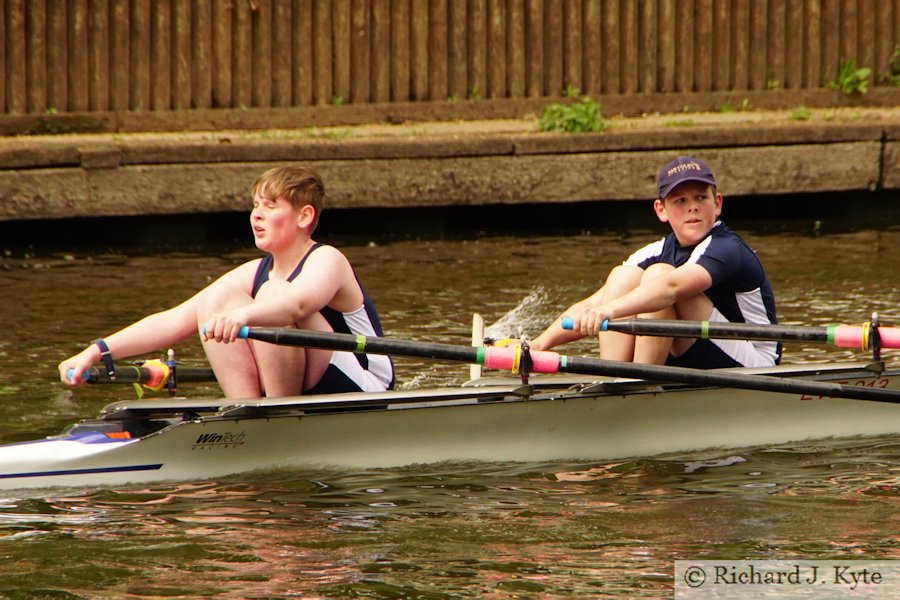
220,297
656,270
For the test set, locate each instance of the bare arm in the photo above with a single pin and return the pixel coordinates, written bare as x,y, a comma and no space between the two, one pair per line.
327,279
555,335
652,295
154,332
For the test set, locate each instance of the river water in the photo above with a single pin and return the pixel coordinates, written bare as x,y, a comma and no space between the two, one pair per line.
446,531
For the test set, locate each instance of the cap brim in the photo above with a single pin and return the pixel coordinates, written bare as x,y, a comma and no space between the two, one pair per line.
668,189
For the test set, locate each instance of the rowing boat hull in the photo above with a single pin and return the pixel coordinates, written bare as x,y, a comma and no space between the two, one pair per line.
502,422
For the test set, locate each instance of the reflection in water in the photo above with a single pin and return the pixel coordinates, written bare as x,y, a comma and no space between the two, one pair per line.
458,530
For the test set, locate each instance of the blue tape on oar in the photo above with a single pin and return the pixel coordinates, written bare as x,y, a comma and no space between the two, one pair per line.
569,323
71,373
243,333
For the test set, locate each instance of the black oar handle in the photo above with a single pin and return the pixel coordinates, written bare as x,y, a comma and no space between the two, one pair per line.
137,374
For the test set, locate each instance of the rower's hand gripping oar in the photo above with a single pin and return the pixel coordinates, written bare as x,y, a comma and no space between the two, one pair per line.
551,362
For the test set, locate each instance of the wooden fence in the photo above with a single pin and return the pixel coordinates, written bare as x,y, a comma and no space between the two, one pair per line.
101,55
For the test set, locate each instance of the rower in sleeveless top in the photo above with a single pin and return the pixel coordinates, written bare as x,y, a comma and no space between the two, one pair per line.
299,283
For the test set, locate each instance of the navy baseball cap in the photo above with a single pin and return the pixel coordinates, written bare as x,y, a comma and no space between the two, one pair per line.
683,169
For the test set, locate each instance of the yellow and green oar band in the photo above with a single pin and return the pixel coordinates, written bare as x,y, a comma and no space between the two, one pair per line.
829,334
704,330
480,355
360,344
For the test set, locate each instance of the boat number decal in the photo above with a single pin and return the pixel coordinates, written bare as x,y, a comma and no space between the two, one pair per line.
882,383
213,441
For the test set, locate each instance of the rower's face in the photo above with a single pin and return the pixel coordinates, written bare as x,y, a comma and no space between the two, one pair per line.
691,209
274,222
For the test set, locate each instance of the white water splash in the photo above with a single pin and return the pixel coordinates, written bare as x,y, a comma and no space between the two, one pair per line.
530,317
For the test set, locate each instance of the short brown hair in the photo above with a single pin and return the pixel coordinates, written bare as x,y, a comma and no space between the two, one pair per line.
299,185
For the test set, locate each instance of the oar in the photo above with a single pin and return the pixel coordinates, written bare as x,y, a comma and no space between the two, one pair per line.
146,375
509,357
842,336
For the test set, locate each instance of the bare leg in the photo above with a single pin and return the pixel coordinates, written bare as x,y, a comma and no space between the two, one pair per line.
234,364
618,346
290,370
653,350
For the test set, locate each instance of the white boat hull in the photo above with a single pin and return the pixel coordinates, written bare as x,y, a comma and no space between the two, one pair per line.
492,423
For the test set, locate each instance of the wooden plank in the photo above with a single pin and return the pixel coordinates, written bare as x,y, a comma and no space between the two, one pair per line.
831,40
241,61
222,16
776,43
703,47
684,46
119,51
593,65
58,57
740,56
611,48
418,50
302,52
141,27
885,38
721,42
515,56
381,51
477,60
666,47
160,57
15,55
401,56
201,56
812,44
849,30
261,54
572,46
360,52
3,62
36,56
340,23
759,48
457,52
866,44
553,47
78,55
281,54
437,50
793,46
648,47
534,48
630,60
181,56
322,34
496,49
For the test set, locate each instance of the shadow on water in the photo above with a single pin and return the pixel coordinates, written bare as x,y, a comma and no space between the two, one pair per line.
802,214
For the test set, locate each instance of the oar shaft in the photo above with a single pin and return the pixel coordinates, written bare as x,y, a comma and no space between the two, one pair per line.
842,336
714,377
550,362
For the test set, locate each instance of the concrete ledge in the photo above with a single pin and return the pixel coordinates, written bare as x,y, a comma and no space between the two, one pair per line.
106,175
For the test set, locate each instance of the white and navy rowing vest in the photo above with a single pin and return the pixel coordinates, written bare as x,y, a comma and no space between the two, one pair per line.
364,321
740,289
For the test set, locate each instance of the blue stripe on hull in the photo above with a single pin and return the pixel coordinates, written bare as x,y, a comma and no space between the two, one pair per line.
83,471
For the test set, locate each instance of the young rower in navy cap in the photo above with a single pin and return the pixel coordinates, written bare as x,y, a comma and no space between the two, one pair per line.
702,271
298,283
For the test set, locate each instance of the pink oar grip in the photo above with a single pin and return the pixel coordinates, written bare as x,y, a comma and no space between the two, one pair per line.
851,336
890,337
848,336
